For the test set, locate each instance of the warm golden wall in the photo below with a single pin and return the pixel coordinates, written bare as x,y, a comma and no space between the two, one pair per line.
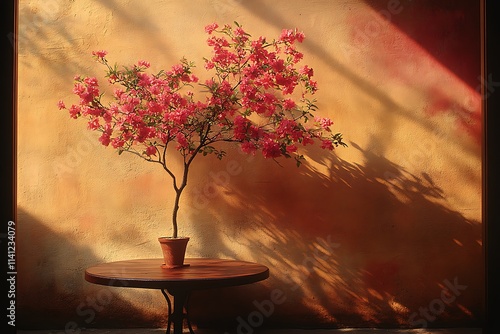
386,232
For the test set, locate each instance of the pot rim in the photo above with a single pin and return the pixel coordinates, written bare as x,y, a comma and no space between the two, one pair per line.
172,238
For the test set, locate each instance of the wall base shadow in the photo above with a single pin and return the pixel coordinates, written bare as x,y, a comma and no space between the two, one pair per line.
52,292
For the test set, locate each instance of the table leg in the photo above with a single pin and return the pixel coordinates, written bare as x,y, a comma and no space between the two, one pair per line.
169,310
177,316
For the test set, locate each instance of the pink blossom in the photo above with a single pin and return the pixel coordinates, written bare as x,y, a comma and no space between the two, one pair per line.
286,35
240,35
155,88
181,139
154,107
91,83
100,54
105,139
254,132
95,112
327,144
143,63
265,80
270,148
209,65
75,111
297,56
278,65
306,70
87,90
307,140
300,36
289,104
210,83
113,109
112,78
312,86
106,116
78,89
177,69
290,36
297,135
209,29
178,117
240,127
118,93
193,78
218,43
224,58
61,105
325,123
291,149
117,142
144,79
248,147
286,127
288,83
150,150
143,133
259,53
185,77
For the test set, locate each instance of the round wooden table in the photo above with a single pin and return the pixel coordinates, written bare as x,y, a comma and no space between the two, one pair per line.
198,274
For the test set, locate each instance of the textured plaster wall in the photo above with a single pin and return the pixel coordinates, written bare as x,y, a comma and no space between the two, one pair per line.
384,233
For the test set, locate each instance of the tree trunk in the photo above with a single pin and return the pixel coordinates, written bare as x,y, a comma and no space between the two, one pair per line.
174,213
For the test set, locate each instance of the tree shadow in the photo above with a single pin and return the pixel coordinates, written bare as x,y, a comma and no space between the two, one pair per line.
352,245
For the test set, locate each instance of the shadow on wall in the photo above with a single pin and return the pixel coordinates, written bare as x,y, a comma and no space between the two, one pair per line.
53,293
444,29
367,245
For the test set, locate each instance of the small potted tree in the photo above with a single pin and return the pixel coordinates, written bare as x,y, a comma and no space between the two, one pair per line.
256,95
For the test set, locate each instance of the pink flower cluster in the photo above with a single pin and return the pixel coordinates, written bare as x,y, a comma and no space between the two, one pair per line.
257,96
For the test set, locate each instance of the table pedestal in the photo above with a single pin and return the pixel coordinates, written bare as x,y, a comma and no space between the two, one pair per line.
180,312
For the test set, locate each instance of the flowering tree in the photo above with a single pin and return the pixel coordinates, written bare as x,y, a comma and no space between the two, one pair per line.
256,96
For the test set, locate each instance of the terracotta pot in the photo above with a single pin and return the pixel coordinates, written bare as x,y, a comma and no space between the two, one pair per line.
174,250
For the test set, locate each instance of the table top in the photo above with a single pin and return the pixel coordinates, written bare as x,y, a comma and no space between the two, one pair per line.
200,273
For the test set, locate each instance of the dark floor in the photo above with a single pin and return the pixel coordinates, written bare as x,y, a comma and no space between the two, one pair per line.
275,331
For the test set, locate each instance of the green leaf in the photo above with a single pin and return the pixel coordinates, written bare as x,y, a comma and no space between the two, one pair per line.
298,160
